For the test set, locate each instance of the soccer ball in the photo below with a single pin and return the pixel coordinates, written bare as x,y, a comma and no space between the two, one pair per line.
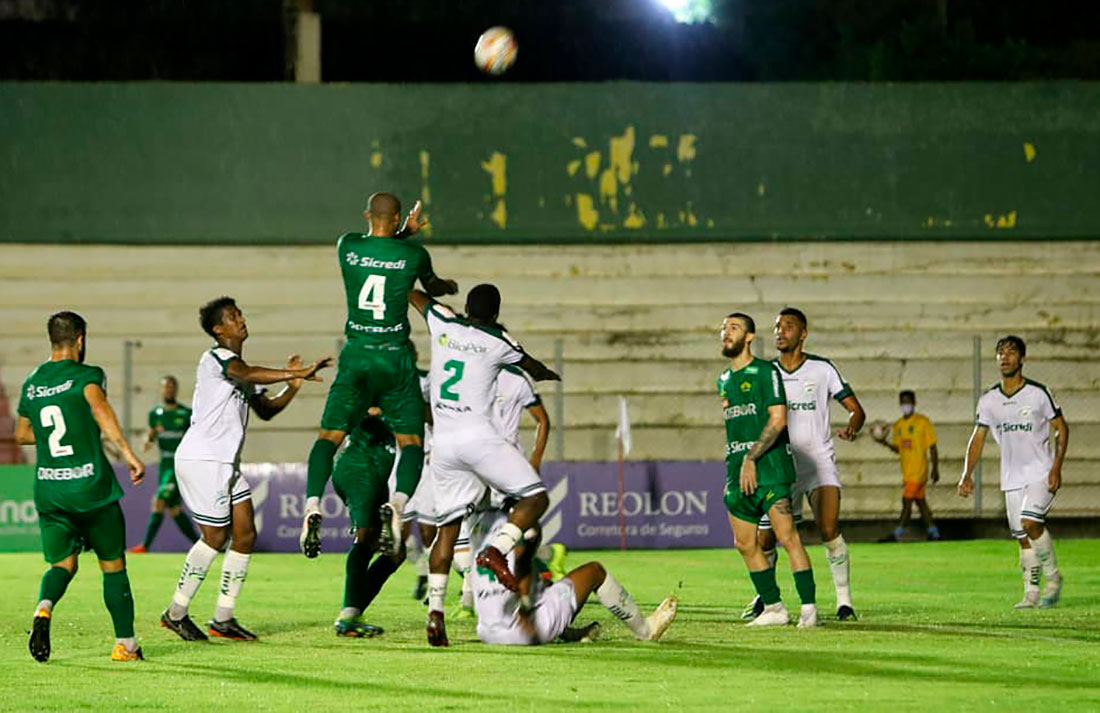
495,50
879,430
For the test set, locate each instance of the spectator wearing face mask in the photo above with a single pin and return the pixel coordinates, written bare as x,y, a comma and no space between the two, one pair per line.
914,440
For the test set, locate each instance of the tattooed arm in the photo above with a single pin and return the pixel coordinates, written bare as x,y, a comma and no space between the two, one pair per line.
777,421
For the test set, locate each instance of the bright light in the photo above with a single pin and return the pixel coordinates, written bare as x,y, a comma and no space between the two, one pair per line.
688,10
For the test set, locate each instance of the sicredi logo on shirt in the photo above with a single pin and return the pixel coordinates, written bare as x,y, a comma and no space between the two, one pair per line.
368,261
41,392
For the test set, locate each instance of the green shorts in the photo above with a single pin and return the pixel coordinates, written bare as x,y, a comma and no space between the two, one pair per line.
67,533
367,377
168,490
751,508
361,478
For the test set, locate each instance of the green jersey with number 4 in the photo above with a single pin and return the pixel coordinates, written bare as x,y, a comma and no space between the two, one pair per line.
378,274
746,395
72,472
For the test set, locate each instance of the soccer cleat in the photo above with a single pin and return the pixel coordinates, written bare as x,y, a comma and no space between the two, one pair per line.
437,629
40,636
184,628
773,615
582,635
662,618
310,539
389,541
137,550
1030,601
121,653
357,629
753,609
556,565
1052,592
491,558
420,591
231,629
846,613
807,618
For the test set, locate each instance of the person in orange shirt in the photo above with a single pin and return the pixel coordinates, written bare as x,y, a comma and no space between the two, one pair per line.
914,440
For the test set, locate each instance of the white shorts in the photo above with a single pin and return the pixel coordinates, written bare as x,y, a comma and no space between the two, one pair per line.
462,469
421,506
1033,501
211,489
554,612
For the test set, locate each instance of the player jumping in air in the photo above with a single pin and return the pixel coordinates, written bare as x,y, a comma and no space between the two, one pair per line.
760,471
63,412
167,423
810,382
1020,412
468,451
541,612
208,464
377,366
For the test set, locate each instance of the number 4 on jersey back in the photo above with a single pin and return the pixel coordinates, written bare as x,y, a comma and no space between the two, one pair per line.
372,296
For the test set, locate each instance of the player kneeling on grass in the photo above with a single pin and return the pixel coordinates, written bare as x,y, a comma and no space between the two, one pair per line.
360,479
63,411
760,471
541,612
208,465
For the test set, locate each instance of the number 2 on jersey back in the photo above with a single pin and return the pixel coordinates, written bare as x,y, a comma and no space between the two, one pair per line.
372,296
456,368
53,418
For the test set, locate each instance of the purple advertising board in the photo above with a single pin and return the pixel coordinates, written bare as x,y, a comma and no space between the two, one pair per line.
666,504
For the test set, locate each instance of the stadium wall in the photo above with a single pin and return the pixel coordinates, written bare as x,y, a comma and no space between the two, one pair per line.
174,163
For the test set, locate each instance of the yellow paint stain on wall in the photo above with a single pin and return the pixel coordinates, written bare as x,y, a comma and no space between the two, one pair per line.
592,164
609,189
1007,221
666,169
497,168
425,164
685,149
710,222
761,189
573,166
500,215
376,159
634,218
689,214
660,221
622,153
587,215
1029,151
579,142
658,141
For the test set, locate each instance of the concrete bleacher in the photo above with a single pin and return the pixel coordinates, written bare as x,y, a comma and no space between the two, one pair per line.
638,321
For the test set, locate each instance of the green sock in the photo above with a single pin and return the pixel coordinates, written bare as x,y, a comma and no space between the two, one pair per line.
120,602
764,581
355,576
804,583
54,583
185,526
320,467
155,521
409,466
380,570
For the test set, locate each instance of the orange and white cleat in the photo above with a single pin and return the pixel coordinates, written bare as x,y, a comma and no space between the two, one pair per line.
121,653
137,550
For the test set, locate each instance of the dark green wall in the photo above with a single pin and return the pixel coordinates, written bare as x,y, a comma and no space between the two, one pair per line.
187,163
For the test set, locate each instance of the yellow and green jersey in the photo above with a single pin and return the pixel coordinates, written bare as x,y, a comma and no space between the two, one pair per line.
170,425
746,395
378,274
72,473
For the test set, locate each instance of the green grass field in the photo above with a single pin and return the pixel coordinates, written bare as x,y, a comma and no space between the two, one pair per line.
937,631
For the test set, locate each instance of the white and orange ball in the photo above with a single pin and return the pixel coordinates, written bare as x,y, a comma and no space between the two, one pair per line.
495,50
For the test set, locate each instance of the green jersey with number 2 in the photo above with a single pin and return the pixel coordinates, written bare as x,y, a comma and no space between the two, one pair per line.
378,274
72,473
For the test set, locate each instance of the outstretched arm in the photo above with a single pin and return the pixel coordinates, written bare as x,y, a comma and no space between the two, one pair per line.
267,407
108,425
856,418
238,370
973,455
537,370
420,301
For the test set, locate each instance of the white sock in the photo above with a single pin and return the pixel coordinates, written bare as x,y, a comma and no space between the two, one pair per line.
468,588
234,571
836,552
462,561
129,642
1031,570
422,566
1044,550
399,500
413,550
350,613
199,559
506,539
45,605
437,591
619,602
772,556
313,504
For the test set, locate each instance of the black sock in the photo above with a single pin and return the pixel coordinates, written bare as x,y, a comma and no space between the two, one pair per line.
151,531
185,526
380,570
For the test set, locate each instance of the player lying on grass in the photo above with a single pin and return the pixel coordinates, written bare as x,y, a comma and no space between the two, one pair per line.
540,612
64,414
208,465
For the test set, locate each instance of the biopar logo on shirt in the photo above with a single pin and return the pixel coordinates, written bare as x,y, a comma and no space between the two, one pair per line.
41,392
469,347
